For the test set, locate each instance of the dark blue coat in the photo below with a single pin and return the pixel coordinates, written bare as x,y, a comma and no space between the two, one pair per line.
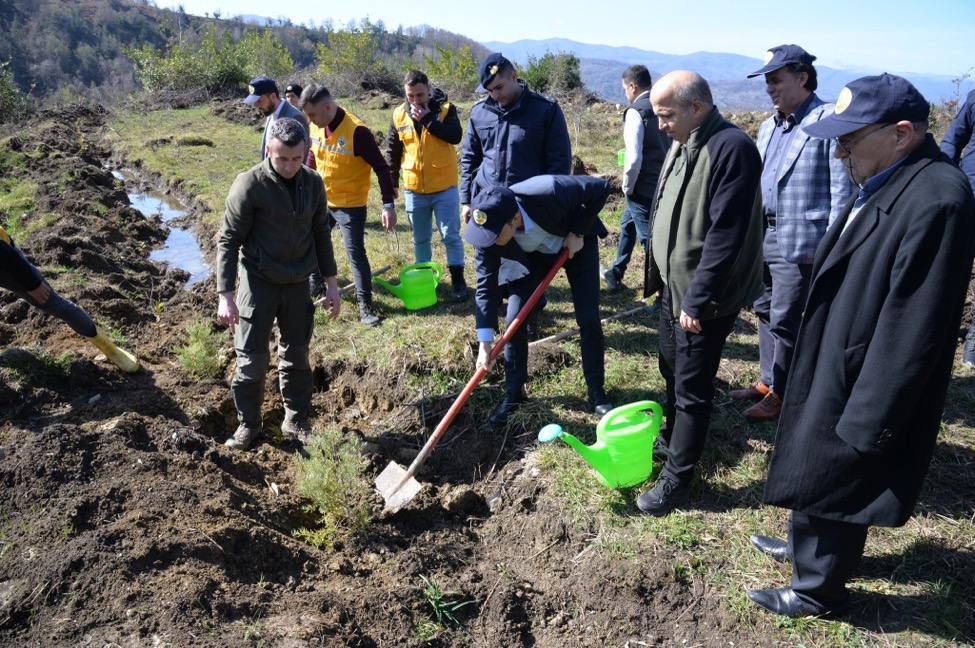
961,138
506,146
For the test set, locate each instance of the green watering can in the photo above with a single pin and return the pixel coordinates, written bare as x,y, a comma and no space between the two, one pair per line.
417,285
623,452
621,156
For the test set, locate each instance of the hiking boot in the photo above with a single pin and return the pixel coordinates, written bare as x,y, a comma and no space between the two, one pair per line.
119,357
366,316
243,437
968,352
755,392
666,495
767,409
458,292
297,427
500,414
614,284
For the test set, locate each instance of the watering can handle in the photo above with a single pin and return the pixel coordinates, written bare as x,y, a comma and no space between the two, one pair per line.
658,411
481,371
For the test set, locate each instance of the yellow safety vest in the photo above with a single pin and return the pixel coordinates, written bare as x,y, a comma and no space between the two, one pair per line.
346,175
5,237
429,164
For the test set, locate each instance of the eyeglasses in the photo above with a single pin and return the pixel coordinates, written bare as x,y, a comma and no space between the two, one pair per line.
847,146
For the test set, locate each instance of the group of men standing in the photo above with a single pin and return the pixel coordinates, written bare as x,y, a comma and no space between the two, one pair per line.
857,300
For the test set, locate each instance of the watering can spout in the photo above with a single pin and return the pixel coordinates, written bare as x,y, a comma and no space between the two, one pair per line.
395,290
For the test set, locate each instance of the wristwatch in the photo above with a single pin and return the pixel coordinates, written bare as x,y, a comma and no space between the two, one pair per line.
389,206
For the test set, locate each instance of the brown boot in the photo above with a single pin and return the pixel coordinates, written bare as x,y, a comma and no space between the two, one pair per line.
755,392
767,409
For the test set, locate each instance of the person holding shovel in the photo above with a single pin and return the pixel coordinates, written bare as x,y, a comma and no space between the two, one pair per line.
275,230
517,234
19,276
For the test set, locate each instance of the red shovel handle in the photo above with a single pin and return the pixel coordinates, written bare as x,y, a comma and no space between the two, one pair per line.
476,378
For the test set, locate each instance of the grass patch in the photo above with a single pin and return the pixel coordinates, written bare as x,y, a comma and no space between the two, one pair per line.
201,354
331,478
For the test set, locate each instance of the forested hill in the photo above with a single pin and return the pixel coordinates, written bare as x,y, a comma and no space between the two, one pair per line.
69,50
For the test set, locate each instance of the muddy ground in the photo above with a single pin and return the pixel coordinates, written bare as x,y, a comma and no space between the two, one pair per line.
126,522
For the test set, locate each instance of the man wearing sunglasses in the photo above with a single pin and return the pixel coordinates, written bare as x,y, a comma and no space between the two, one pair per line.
866,389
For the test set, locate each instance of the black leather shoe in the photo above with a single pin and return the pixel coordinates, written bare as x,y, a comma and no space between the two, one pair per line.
783,600
599,402
512,401
778,549
664,497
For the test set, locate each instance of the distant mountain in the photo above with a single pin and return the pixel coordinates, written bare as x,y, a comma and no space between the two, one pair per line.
602,65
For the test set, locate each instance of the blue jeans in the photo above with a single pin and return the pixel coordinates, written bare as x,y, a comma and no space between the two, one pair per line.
421,209
633,228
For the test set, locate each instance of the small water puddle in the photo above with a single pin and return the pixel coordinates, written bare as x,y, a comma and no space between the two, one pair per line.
182,250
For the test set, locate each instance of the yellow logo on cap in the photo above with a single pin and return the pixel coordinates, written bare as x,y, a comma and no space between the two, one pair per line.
843,101
493,70
768,56
479,217
251,89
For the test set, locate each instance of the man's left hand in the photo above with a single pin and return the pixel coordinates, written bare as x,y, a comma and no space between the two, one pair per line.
333,301
389,218
690,324
573,243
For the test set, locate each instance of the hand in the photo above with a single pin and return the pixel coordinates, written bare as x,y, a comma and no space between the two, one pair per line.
465,213
418,112
227,311
333,301
389,218
41,293
483,353
573,243
690,324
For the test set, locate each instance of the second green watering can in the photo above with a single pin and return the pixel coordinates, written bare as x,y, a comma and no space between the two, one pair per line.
417,285
623,452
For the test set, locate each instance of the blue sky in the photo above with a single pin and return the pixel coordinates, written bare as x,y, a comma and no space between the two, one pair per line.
925,37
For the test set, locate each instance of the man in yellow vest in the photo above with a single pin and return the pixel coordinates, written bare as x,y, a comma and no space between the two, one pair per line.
420,148
344,149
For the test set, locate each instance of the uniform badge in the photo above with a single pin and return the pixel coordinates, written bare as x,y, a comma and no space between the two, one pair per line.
341,142
768,56
479,217
251,89
843,101
493,70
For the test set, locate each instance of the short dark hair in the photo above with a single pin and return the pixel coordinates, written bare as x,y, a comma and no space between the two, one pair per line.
313,94
289,131
639,75
415,76
798,68
506,68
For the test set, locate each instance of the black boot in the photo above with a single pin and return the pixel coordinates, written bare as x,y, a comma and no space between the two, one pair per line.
458,292
968,353
366,316
599,402
512,400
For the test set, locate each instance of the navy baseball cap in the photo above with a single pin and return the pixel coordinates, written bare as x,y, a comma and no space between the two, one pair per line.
489,69
779,57
259,87
294,88
884,99
491,209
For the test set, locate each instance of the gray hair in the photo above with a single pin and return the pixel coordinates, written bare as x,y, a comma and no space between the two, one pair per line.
289,131
694,89
313,94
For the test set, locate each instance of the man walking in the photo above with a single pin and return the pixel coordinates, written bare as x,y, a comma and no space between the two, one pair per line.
420,147
264,96
804,187
275,230
344,150
517,234
705,265
646,147
864,401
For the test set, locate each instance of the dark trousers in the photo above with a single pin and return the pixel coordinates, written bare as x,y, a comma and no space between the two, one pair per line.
352,221
779,312
825,555
582,271
688,363
633,229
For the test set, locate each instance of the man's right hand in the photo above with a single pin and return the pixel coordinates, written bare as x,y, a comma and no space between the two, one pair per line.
465,213
227,310
483,353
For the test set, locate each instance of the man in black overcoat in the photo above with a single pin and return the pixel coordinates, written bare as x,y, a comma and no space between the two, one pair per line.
867,387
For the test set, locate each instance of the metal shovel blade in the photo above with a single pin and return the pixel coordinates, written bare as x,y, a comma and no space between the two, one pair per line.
396,486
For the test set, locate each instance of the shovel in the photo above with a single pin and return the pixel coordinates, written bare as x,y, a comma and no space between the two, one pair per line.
396,484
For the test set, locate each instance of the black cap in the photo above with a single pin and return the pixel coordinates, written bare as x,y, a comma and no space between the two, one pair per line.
490,210
293,88
884,99
259,87
489,69
778,57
